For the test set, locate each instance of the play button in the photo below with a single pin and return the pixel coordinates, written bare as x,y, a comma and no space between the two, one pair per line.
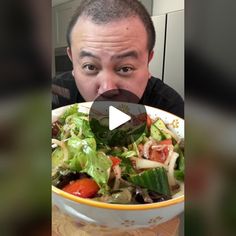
117,119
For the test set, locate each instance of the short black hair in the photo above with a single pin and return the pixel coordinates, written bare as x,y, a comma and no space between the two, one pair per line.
105,11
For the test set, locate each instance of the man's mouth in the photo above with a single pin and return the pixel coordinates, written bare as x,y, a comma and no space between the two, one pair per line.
118,95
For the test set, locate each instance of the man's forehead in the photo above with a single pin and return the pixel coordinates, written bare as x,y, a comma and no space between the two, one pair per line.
118,56
83,21
113,34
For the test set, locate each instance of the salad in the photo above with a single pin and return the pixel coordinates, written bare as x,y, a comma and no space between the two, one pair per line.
149,169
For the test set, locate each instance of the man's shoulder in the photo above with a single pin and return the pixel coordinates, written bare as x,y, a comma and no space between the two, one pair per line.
161,89
160,95
64,79
64,89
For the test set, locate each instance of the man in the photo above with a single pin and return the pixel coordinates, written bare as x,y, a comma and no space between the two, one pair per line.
110,44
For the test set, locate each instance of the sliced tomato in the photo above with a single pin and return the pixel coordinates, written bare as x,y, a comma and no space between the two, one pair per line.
166,151
145,118
115,161
165,142
85,188
142,117
149,121
158,156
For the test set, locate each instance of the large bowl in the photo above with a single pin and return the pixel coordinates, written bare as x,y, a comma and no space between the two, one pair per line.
118,215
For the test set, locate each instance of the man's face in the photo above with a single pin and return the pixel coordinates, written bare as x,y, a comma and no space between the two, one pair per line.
109,56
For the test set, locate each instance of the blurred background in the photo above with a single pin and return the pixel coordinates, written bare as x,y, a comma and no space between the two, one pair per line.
25,106
210,85
25,113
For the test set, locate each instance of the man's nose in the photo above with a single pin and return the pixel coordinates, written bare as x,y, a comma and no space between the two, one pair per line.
107,83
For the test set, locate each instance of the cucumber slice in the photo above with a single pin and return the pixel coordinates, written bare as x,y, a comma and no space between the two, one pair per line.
155,180
155,133
57,158
160,125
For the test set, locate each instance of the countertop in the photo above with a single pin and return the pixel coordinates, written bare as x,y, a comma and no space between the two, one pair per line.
63,225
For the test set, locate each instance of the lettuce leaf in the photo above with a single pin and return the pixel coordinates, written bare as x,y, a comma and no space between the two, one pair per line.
71,110
98,166
83,157
126,165
180,169
76,125
116,137
77,152
57,159
127,168
128,154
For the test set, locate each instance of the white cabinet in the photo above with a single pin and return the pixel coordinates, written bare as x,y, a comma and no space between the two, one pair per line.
167,6
174,52
148,4
156,64
168,61
62,15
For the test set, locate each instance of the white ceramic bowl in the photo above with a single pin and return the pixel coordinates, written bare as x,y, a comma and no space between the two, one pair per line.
118,215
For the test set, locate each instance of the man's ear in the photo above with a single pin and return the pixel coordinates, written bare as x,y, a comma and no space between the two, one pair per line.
69,53
150,56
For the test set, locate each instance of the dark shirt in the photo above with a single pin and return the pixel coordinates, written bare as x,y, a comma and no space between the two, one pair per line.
157,94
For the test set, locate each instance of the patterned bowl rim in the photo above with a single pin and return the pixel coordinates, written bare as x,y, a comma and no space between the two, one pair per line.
131,207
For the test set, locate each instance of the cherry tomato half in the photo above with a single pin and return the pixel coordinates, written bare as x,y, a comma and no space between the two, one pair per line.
115,161
85,188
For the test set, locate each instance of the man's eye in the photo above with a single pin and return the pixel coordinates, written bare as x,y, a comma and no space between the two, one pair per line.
90,68
125,70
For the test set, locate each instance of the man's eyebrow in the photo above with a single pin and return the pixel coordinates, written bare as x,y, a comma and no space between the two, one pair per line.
83,54
133,54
